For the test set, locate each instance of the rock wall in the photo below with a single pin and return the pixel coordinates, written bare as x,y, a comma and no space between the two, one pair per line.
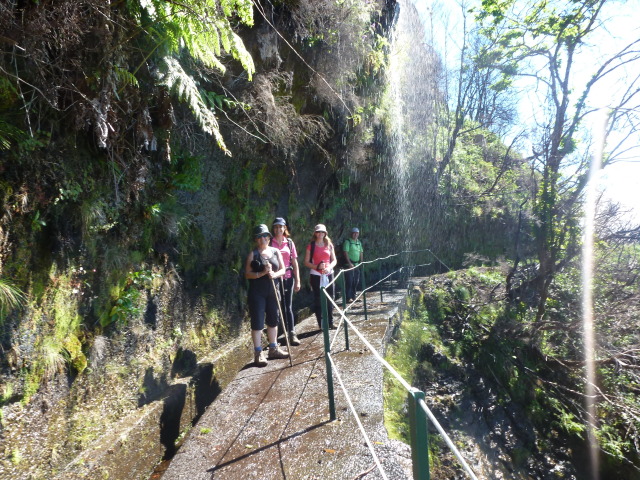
134,318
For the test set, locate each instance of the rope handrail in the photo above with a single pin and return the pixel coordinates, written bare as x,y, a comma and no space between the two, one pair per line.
355,415
366,262
392,371
335,336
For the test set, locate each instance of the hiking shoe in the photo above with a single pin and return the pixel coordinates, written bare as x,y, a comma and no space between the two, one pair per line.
259,359
277,352
293,339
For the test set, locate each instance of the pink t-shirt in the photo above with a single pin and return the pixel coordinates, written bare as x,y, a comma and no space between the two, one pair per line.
320,254
288,250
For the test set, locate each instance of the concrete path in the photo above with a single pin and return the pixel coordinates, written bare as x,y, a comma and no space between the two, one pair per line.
273,422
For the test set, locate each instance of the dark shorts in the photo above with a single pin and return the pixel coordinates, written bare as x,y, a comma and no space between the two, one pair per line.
262,301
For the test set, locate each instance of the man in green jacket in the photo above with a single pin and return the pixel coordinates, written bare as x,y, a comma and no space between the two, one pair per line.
353,254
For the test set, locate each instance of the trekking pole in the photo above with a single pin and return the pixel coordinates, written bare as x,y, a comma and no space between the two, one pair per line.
284,326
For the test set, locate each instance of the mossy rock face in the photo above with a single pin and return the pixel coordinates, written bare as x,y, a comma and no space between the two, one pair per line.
77,358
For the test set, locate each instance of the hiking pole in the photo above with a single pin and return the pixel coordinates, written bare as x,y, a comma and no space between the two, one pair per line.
284,327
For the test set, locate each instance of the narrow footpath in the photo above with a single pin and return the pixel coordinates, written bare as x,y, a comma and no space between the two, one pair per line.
273,422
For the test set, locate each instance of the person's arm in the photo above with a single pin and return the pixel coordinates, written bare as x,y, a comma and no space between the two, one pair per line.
248,271
280,272
296,274
345,252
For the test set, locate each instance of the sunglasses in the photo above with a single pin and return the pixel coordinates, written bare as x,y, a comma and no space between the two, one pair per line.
264,235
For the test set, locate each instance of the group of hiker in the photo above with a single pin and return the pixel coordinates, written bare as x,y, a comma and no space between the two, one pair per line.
274,275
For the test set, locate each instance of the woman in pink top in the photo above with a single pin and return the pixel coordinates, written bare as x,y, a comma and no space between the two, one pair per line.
291,281
320,258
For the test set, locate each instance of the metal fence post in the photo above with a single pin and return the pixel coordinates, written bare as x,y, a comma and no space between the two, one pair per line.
380,275
327,346
419,436
344,308
364,293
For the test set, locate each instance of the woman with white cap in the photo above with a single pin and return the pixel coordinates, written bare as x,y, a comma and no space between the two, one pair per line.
263,264
320,258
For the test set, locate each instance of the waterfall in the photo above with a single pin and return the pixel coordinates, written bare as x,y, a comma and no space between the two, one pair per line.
412,96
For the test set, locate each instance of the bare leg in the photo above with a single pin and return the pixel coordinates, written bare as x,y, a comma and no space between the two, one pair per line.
256,336
272,334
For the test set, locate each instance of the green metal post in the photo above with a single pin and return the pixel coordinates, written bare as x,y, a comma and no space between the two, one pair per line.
364,293
327,345
419,436
380,276
344,308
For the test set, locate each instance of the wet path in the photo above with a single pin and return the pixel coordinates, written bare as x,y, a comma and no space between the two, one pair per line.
273,422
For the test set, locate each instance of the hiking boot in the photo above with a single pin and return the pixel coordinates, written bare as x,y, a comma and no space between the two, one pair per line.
276,352
293,339
259,359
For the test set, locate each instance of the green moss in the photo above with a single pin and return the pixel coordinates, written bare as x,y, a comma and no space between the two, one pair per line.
16,456
55,325
32,379
77,359
7,393
404,355
520,456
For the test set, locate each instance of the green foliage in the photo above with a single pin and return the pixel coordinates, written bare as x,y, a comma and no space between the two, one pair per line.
204,30
7,393
16,456
222,102
70,193
185,88
494,338
204,27
126,302
10,297
37,222
404,356
125,77
187,176
8,131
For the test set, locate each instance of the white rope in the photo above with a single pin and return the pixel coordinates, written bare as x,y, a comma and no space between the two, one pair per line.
355,415
403,252
379,281
408,387
402,381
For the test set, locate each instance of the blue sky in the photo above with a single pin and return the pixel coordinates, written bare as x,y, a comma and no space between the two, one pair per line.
621,181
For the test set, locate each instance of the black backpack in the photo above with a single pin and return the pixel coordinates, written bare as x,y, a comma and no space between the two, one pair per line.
312,247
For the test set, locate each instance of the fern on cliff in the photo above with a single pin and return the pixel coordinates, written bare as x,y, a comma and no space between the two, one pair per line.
202,28
184,87
10,297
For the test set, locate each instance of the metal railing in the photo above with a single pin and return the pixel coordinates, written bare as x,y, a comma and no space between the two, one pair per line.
418,410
